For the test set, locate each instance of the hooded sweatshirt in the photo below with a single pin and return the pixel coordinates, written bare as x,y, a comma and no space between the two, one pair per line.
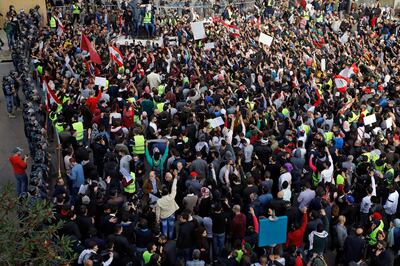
394,235
318,239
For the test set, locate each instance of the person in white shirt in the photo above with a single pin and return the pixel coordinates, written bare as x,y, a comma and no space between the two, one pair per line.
287,193
391,203
87,256
327,173
286,176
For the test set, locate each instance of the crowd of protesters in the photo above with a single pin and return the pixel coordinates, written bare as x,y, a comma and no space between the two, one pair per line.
178,155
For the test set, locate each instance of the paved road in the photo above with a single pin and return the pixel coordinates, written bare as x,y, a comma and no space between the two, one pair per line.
11,131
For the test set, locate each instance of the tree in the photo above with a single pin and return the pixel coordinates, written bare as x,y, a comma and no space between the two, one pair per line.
28,232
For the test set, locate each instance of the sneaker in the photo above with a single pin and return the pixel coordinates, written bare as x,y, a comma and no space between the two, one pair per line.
11,116
18,109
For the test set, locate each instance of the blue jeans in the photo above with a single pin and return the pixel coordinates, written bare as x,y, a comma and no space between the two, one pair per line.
22,183
168,226
150,29
10,103
218,243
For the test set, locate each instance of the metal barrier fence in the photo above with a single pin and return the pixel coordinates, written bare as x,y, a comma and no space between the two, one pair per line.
202,9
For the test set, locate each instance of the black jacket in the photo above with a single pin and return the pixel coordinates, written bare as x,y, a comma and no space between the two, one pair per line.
186,235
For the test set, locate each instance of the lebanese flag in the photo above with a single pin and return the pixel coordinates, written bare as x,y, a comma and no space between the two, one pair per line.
116,55
233,30
343,79
87,46
51,96
60,27
341,83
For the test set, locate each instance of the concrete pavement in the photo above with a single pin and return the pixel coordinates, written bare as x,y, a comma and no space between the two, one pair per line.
11,131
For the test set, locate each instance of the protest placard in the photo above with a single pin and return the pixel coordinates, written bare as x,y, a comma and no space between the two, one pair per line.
198,30
272,231
368,120
100,81
265,39
216,122
209,46
323,64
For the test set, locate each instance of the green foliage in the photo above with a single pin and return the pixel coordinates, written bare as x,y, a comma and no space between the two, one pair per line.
28,233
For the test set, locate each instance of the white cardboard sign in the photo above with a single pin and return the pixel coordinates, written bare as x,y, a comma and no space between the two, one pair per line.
100,81
198,30
265,39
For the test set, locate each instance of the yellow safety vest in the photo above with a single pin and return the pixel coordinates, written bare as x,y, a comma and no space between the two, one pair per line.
139,147
391,171
40,70
380,168
53,23
131,188
75,10
78,127
147,18
328,136
160,107
53,117
161,89
369,156
65,99
354,118
59,127
320,19
372,237
269,4
340,180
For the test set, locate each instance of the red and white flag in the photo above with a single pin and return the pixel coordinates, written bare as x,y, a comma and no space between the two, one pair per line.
116,55
233,30
60,27
87,46
50,94
343,79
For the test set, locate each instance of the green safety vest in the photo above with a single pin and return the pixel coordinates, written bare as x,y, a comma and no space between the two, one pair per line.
65,99
139,147
53,23
339,180
354,117
390,171
306,128
40,70
161,89
147,18
369,156
78,127
53,117
239,255
328,136
315,178
372,237
75,10
147,256
59,127
160,107
380,168
131,188
285,112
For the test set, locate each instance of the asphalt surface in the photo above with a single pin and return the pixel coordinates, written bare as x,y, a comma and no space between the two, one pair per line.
11,131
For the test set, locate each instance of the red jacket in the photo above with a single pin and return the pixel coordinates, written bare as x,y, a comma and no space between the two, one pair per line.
18,164
296,236
91,103
239,226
